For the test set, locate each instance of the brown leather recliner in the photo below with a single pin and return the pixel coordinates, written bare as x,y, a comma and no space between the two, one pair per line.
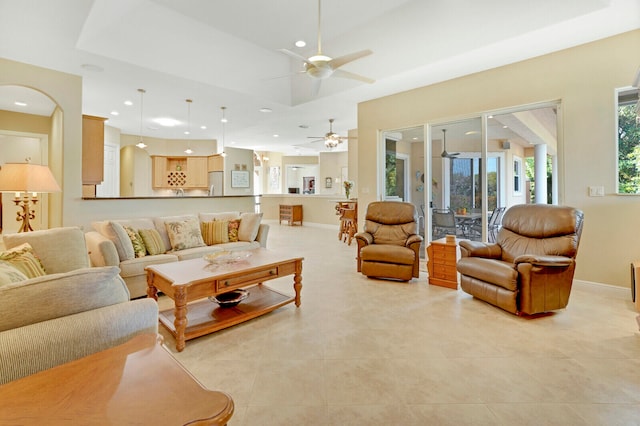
389,247
530,267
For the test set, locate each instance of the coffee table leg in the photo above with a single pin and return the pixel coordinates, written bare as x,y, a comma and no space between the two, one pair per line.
297,282
152,291
180,321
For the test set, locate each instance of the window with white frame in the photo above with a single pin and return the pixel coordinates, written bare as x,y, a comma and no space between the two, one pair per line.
628,112
517,176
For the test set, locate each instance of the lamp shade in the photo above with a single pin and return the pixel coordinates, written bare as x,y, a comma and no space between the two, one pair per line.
26,177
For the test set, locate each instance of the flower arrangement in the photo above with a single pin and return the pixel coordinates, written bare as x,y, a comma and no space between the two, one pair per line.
348,186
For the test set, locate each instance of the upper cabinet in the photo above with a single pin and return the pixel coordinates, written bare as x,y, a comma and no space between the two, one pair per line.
92,150
215,163
179,172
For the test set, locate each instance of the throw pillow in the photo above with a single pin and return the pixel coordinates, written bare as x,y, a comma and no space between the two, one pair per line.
234,225
116,233
249,225
9,274
23,259
215,232
184,234
139,249
152,241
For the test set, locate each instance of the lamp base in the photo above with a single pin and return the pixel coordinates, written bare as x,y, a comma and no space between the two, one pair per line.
26,214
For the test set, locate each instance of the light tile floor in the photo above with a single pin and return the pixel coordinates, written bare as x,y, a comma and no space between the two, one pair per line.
370,352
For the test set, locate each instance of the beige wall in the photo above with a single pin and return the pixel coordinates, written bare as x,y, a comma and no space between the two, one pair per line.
583,79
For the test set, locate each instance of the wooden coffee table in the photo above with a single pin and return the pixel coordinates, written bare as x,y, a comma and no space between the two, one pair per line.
138,382
189,283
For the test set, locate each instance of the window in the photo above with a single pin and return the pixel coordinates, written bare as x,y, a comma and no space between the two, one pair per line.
517,175
628,141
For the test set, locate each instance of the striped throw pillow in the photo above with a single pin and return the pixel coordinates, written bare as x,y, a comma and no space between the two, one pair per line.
152,241
23,259
215,232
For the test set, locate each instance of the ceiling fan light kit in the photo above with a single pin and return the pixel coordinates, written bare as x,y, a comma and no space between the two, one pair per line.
321,66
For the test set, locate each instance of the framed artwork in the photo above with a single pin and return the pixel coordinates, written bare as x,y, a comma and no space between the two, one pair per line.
328,182
239,178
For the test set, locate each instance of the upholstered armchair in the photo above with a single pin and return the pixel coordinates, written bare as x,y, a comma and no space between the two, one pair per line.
530,267
389,247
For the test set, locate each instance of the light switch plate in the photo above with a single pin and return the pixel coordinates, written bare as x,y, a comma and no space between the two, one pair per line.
596,191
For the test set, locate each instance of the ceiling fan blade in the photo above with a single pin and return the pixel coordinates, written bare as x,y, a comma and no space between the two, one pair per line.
284,76
352,76
315,86
340,61
295,55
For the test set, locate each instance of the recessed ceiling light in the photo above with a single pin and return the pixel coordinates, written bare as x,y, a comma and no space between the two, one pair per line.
186,132
301,43
166,122
18,103
471,132
203,127
276,136
265,109
115,113
128,103
505,127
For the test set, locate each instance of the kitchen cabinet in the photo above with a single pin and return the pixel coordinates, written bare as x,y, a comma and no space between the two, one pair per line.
215,163
92,150
197,172
179,172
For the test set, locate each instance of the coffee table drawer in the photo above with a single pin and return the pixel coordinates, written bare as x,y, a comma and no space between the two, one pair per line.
245,280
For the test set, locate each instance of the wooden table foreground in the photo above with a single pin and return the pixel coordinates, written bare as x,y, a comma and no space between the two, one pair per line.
138,382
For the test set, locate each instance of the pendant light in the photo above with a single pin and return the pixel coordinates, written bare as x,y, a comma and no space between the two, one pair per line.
188,132
141,143
223,121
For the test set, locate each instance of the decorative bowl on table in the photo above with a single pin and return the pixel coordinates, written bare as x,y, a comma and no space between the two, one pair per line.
230,298
226,257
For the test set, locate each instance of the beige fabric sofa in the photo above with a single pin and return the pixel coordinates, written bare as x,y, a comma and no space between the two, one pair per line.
71,312
107,249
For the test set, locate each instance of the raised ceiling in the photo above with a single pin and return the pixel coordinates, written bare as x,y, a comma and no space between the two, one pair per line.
225,54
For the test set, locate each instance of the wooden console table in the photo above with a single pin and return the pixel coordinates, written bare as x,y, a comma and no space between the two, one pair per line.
442,263
138,382
195,280
291,213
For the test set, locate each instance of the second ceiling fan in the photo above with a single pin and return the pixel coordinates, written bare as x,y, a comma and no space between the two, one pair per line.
331,139
446,154
320,66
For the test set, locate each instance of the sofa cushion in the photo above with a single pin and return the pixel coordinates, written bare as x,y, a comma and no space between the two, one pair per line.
159,224
215,232
23,259
56,295
249,225
152,241
184,234
116,233
139,248
47,244
9,274
135,267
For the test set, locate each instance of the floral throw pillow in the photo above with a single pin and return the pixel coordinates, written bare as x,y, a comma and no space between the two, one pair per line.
184,234
234,225
139,248
24,260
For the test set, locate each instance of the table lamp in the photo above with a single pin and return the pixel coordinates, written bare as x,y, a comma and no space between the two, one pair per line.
26,180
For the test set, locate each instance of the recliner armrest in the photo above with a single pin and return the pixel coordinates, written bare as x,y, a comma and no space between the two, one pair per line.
415,238
536,260
480,249
364,237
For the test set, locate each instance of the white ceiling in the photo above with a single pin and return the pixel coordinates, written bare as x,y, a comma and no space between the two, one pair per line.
225,53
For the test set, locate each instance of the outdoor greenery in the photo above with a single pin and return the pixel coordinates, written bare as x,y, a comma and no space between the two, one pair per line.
628,150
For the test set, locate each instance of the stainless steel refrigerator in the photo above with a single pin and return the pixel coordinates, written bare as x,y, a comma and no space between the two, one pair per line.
216,183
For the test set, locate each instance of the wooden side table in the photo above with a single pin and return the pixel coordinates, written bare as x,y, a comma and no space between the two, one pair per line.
442,261
137,382
291,213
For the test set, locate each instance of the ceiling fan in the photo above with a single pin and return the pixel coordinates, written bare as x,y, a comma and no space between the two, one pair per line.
445,154
331,139
320,66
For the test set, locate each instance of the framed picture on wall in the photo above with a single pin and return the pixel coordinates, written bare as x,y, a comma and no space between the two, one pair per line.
328,182
239,178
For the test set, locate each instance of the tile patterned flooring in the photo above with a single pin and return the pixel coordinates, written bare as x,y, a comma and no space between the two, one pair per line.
360,351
